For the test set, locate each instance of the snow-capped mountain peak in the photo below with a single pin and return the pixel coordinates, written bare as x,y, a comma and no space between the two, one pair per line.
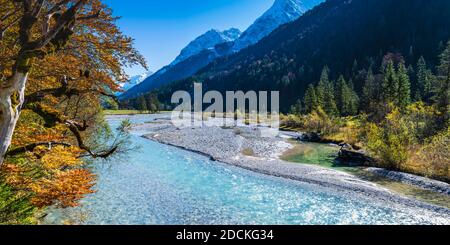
281,12
135,80
213,44
287,10
207,41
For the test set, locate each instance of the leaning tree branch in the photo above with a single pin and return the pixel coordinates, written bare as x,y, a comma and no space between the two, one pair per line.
52,117
31,147
74,128
64,90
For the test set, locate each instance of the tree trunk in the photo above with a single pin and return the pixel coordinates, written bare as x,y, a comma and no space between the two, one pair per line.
12,96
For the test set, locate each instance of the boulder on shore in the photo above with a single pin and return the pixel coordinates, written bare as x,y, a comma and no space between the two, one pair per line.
310,137
348,154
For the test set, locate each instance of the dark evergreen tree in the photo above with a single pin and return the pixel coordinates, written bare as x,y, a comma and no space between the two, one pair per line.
297,108
389,87
441,85
322,86
310,99
142,104
370,96
346,98
153,103
329,100
413,80
353,99
423,86
341,94
404,87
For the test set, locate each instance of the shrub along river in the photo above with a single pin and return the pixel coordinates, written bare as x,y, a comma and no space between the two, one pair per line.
160,184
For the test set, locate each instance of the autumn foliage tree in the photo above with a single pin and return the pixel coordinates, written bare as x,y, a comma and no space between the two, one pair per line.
58,58
72,47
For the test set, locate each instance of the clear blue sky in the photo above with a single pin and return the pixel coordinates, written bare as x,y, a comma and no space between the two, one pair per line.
161,28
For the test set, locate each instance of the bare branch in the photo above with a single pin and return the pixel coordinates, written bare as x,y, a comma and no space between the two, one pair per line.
69,16
64,90
75,128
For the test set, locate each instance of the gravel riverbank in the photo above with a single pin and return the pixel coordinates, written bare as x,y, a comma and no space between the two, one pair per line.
243,147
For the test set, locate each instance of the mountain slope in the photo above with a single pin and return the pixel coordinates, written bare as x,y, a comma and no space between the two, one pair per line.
168,74
337,33
207,41
193,57
281,12
196,55
135,80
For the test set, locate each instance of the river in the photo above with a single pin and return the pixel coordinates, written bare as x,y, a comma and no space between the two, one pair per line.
160,184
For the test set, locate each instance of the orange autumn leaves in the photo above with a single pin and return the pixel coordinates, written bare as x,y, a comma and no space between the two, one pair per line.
56,178
65,189
56,175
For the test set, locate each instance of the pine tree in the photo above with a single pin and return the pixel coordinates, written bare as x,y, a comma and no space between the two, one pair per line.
142,104
389,88
325,93
354,99
297,108
341,95
322,86
404,87
423,86
329,100
346,98
354,103
370,92
413,80
441,85
153,103
310,99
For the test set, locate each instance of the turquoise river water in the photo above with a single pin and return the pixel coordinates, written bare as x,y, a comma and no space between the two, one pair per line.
160,184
